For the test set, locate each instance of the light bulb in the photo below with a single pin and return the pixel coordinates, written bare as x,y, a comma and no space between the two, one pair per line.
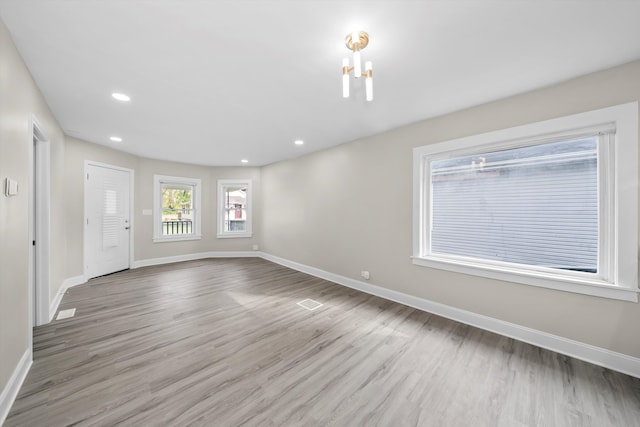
345,78
355,38
369,80
357,68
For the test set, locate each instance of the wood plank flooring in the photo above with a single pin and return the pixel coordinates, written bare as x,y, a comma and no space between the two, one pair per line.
222,342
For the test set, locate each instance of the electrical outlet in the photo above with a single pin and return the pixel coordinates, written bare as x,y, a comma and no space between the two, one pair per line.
256,247
365,274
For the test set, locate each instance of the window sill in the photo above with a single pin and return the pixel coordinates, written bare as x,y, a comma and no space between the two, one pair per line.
166,239
563,283
234,235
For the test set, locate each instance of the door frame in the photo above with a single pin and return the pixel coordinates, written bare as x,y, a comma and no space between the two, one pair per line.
39,224
85,245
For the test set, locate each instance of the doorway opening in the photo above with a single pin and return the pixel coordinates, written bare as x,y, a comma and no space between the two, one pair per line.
39,224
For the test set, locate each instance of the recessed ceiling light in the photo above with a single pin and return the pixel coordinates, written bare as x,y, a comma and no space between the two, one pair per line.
116,139
244,161
298,142
121,97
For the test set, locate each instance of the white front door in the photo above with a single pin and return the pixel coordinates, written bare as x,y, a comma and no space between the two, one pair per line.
107,222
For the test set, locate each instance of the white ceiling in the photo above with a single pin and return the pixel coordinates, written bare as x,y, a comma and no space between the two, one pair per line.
213,82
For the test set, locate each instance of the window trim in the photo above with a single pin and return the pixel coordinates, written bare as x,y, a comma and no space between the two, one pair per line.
158,181
621,206
222,184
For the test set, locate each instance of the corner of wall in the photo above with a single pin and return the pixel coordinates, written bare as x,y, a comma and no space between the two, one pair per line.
10,392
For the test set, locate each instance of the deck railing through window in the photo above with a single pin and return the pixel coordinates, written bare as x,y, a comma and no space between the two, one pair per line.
182,226
177,221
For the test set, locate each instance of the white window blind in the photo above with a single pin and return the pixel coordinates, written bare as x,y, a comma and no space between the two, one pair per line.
535,205
551,204
112,215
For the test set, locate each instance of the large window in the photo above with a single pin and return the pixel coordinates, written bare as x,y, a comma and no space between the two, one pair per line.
535,205
177,208
234,208
551,204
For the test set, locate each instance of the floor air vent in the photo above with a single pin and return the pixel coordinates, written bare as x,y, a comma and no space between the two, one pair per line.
66,314
309,304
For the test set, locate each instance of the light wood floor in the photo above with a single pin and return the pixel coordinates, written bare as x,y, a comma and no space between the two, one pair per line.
223,343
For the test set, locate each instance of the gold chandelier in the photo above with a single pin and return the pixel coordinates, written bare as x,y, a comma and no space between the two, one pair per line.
357,41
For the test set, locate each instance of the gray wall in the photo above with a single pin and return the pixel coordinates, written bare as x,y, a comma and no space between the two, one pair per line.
77,152
144,246
19,100
342,210
349,208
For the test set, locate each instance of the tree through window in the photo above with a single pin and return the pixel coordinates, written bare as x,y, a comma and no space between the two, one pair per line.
177,208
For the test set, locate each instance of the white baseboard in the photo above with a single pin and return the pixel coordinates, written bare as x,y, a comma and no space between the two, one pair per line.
598,356
68,283
12,388
79,280
191,257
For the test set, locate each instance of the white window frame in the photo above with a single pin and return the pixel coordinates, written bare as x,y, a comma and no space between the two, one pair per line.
158,181
618,192
222,185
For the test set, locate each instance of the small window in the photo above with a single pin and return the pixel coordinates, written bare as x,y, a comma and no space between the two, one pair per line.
234,208
177,208
551,204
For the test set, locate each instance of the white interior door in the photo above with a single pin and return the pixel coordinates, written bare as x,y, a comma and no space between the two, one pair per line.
107,222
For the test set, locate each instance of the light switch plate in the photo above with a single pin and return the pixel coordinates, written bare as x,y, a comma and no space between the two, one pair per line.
10,187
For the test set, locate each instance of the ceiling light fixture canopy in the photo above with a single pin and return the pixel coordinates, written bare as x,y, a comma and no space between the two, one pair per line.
355,42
